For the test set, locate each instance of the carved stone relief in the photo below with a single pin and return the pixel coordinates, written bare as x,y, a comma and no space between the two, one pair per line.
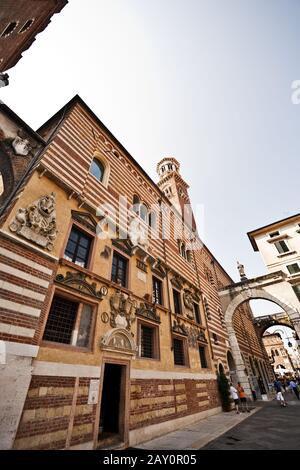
78,281
148,311
123,308
119,339
37,222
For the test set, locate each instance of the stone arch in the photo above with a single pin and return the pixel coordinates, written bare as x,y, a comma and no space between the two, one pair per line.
119,339
241,297
251,294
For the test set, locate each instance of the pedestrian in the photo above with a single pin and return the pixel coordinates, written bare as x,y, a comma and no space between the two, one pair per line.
235,397
279,395
294,388
243,398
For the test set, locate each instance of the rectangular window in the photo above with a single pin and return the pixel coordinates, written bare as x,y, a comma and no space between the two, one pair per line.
157,291
78,247
297,291
281,247
177,302
203,360
119,269
197,313
69,322
293,268
148,341
179,352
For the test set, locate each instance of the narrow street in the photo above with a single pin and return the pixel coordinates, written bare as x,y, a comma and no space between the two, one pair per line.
271,428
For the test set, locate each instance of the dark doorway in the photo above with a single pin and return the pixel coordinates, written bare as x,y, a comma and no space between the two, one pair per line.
112,403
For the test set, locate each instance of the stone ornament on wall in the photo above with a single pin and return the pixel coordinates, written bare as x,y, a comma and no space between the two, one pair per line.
78,281
123,308
148,311
37,222
119,339
188,301
179,327
21,146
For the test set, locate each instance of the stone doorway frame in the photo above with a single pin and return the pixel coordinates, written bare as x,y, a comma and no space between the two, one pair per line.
124,392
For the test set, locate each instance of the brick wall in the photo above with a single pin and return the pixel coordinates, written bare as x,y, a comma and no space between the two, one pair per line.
156,401
50,419
25,278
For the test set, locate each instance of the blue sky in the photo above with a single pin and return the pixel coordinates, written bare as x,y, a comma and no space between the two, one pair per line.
206,81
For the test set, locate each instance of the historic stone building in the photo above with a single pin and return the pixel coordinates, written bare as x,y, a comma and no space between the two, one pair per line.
279,245
110,318
278,355
20,22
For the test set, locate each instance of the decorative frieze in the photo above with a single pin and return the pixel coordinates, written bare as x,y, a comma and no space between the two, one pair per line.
148,311
179,327
78,281
85,219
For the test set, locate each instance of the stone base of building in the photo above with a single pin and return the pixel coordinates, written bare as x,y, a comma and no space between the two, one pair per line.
139,436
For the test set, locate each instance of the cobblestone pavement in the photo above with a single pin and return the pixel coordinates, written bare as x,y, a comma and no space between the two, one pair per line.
271,428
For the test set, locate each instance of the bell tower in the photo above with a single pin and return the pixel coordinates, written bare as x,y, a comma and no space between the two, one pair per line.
175,188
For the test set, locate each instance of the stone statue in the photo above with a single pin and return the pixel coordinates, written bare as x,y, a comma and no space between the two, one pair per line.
241,270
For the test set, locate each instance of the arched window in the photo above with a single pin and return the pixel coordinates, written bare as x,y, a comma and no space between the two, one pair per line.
189,255
26,26
152,220
183,250
136,204
97,169
9,29
143,212
276,352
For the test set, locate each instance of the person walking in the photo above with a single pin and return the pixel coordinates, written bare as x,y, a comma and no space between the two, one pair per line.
243,398
294,388
235,397
279,395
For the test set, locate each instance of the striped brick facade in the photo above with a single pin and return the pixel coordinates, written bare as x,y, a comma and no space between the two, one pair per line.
56,412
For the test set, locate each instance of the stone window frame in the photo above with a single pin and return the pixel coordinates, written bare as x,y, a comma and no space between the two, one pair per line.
30,21
156,342
206,353
156,278
81,300
97,155
180,301
75,223
184,341
127,258
4,36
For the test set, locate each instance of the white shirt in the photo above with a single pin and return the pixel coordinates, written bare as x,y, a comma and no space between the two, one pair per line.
233,392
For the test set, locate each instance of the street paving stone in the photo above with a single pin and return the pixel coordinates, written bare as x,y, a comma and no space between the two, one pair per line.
271,428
